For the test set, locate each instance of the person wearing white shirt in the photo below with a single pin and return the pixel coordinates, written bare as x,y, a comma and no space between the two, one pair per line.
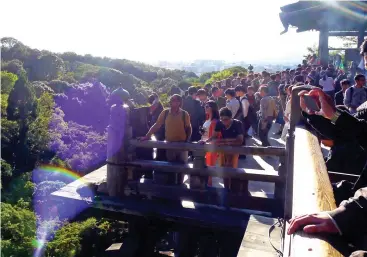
232,102
245,104
327,84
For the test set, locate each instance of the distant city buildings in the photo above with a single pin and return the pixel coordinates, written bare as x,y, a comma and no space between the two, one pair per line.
202,66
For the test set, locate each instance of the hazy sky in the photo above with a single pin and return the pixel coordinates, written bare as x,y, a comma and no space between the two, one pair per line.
151,30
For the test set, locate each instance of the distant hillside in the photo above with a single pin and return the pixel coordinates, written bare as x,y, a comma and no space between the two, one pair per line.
54,69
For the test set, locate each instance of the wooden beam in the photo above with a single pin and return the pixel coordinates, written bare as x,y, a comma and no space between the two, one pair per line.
346,33
212,196
244,150
238,173
312,193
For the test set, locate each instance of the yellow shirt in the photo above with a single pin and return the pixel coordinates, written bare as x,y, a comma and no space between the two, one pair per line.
175,130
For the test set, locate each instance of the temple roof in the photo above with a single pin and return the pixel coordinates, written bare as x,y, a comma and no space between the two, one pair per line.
333,15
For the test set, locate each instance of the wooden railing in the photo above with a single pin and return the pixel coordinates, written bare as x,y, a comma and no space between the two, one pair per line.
308,187
125,169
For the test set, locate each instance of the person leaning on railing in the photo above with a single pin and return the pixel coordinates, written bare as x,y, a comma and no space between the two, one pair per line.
177,129
228,131
350,219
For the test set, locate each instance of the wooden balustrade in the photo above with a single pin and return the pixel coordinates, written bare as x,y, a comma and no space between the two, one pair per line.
312,193
244,150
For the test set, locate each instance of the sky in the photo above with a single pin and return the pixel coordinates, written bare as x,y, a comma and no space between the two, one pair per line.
152,30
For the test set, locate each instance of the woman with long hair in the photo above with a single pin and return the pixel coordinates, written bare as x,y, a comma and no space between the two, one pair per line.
207,131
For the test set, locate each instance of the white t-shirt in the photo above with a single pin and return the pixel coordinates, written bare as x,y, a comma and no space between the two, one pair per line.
206,127
233,105
327,84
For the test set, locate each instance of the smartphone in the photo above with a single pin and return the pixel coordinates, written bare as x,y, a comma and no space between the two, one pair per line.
311,103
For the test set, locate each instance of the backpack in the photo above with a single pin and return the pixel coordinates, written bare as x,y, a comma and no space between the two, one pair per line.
239,114
251,114
274,106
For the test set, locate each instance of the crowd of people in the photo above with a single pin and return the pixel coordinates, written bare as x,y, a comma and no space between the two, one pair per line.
223,113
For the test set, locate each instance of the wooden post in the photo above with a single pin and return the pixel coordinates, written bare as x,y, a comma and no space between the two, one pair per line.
294,119
119,135
324,46
312,193
360,38
198,182
279,191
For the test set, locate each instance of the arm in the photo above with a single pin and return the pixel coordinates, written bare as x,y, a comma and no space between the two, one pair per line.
188,128
352,126
347,98
245,106
157,125
214,137
262,108
350,216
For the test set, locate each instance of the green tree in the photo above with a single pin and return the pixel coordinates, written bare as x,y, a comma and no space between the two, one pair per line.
20,188
21,107
18,231
14,66
38,135
7,81
6,173
47,67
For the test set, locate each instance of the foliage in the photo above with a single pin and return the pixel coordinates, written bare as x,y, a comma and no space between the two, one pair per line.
7,81
4,104
45,188
9,139
224,74
6,173
18,230
87,238
349,41
47,67
14,66
40,87
38,136
19,188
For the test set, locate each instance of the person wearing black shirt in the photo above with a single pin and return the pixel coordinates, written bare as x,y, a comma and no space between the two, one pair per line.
339,96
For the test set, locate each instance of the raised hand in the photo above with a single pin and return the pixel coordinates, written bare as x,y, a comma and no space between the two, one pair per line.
327,106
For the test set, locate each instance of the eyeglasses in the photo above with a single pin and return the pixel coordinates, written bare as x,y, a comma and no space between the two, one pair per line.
207,106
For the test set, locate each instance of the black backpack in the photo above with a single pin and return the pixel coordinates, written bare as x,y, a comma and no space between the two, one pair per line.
251,114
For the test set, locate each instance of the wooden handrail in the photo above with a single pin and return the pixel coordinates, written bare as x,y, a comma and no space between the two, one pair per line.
237,173
312,193
246,150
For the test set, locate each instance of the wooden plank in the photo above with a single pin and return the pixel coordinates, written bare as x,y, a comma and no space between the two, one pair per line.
312,193
238,173
255,241
212,196
244,150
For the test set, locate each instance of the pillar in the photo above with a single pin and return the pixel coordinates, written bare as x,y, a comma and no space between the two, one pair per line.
119,134
324,46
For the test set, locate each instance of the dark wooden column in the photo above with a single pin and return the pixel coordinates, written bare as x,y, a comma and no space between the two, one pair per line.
324,46
360,39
